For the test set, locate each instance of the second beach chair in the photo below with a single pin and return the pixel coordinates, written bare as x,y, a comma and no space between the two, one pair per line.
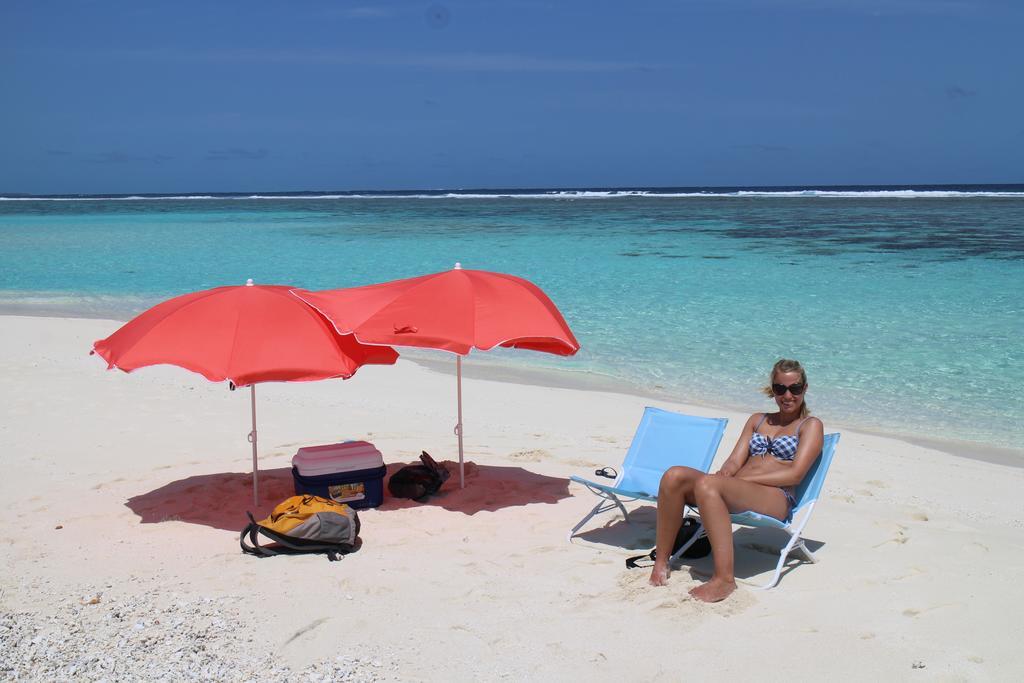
662,439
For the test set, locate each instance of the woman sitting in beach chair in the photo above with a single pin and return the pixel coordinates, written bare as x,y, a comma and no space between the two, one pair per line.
770,459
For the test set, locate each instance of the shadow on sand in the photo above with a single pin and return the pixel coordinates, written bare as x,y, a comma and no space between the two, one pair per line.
221,500
757,550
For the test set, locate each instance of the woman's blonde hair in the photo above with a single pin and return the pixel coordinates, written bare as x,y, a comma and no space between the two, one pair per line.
787,365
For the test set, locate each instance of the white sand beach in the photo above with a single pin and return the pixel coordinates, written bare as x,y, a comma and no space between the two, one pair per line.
125,495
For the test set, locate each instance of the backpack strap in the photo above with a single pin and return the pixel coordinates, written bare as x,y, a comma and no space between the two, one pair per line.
286,546
252,530
631,562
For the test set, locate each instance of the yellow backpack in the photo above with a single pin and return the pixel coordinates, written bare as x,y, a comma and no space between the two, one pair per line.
304,524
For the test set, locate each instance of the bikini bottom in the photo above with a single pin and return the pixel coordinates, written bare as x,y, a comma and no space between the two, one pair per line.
791,501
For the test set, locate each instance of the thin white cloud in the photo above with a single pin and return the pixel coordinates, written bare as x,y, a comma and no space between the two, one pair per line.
117,157
464,61
869,7
368,12
236,154
771,149
955,92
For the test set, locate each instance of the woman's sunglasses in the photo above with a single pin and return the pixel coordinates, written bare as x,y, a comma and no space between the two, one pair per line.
781,389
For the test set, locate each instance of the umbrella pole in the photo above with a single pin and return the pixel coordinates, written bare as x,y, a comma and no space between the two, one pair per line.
458,427
252,440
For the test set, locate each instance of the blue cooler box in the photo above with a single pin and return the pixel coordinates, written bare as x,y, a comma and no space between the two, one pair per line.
350,473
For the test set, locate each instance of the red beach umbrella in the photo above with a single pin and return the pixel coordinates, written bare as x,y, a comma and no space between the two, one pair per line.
456,310
246,335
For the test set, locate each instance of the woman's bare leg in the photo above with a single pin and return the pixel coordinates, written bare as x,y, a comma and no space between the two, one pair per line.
716,496
675,489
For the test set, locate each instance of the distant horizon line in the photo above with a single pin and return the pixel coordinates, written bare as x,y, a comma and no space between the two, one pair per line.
635,190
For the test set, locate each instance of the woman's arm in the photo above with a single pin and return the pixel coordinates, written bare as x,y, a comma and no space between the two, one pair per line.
792,473
741,450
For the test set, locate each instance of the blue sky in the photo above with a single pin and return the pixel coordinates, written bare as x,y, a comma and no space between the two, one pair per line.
181,96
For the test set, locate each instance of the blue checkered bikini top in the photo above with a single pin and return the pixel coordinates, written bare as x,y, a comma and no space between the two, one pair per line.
780,448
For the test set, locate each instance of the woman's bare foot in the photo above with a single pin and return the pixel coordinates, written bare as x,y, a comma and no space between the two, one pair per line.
714,590
659,575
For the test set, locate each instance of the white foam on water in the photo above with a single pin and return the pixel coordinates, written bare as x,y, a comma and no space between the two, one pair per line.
563,194
875,194
133,198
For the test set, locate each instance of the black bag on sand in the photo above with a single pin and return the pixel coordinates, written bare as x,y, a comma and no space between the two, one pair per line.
700,548
418,481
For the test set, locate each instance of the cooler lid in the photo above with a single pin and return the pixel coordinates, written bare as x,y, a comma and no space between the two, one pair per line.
349,456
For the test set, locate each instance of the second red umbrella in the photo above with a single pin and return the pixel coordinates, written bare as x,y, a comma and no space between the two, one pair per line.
456,310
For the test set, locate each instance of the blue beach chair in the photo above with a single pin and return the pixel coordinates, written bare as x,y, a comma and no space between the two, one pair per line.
807,494
662,440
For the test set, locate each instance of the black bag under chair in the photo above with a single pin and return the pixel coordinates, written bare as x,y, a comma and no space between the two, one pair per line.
700,548
418,481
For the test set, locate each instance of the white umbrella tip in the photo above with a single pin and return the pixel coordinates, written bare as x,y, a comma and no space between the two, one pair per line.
458,266
248,283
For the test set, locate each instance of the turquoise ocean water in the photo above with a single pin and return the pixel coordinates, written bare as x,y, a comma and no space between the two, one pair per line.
905,305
